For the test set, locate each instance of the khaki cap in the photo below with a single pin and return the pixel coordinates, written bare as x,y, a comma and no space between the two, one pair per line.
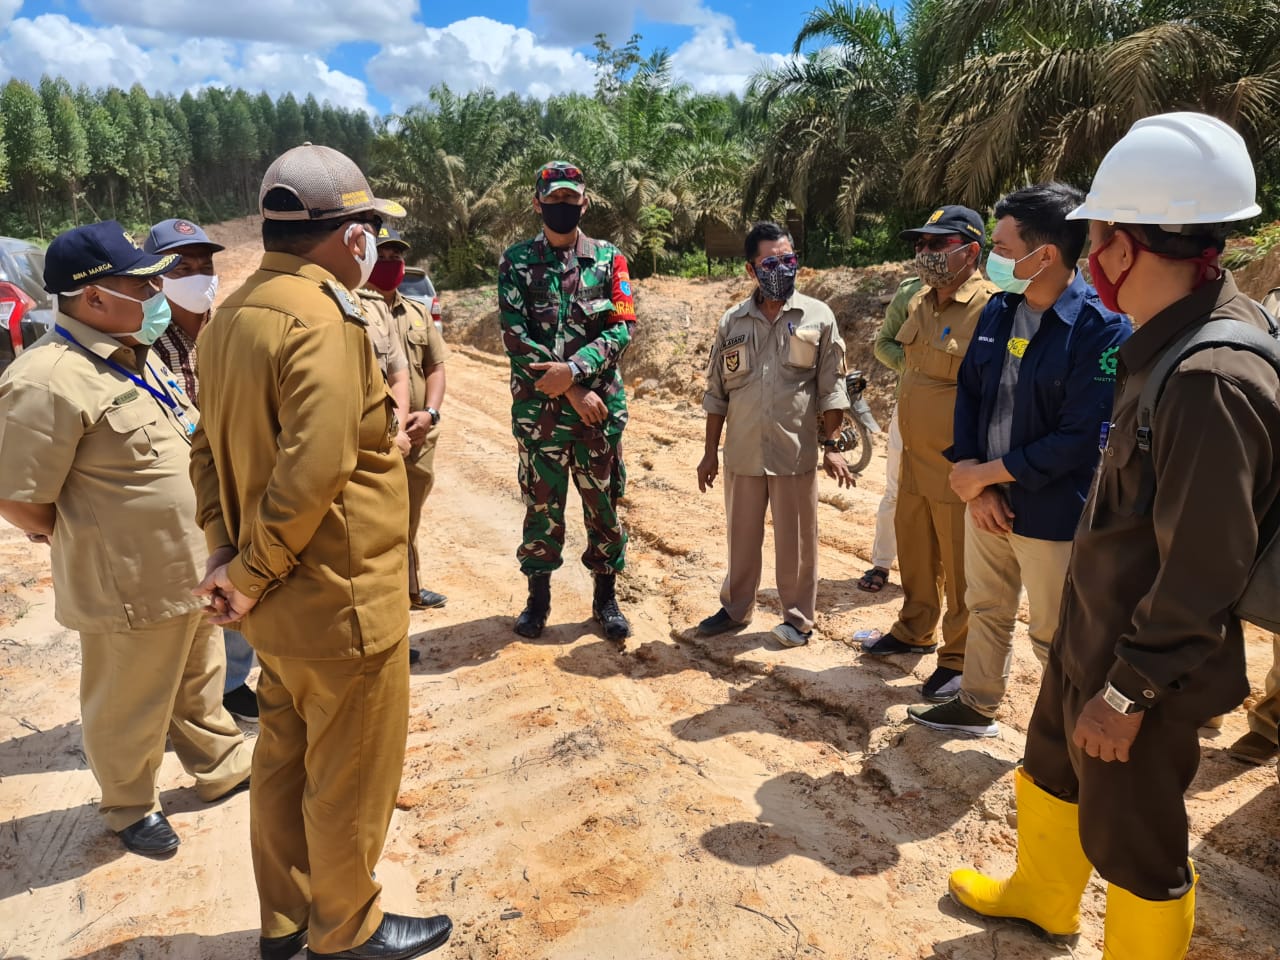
327,183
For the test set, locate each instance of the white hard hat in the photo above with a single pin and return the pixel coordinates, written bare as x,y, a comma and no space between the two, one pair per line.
1173,170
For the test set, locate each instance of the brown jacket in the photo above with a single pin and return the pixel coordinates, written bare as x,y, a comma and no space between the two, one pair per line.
1147,596
294,465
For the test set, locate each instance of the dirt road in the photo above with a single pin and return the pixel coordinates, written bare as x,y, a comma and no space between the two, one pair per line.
565,799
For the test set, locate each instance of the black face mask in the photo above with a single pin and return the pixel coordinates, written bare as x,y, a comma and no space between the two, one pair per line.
561,217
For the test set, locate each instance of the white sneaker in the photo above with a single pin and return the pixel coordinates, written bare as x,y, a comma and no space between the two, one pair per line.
789,636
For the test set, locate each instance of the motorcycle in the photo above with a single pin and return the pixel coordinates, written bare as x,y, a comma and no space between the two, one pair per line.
859,424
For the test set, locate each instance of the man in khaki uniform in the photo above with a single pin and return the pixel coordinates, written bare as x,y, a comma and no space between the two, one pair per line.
301,494
929,521
412,326
94,447
777,365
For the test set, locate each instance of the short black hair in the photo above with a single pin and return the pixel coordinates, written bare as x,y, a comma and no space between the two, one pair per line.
298,237
1179,246
764,232
1041,213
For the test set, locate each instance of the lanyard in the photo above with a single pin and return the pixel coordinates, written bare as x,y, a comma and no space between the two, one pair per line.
163,396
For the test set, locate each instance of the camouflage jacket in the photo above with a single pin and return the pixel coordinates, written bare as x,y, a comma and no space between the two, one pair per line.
564,305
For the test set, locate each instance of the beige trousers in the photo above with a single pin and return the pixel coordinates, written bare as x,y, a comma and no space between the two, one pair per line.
139,686
1265,715
422,478
793,504
997,566
885,545
325,777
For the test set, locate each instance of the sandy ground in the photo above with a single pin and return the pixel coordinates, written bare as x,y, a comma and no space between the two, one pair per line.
563,799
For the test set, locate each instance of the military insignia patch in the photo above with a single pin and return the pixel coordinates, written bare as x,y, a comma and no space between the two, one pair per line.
936,216
624,305
346,301
734,341
732,361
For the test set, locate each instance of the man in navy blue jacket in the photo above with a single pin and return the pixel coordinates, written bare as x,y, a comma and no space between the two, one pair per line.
1034,389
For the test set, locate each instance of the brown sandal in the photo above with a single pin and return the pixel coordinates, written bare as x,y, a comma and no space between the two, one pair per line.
874,580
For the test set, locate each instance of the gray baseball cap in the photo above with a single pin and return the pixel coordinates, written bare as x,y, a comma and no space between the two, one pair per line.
171,234
325,182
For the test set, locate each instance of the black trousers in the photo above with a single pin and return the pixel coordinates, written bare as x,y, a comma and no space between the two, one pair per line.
1133,821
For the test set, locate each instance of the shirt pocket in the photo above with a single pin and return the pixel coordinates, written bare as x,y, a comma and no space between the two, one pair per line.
1118,478
735,365
802,349
134,426
591,315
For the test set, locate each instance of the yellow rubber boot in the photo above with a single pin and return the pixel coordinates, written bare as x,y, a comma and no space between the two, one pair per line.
1137,929
1052,872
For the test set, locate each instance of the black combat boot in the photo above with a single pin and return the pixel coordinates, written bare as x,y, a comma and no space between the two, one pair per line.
604,608
534,616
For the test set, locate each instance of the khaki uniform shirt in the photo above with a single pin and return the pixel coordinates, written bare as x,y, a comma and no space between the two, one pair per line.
934,342
294,465
771,384
1147,594
387,346
113,461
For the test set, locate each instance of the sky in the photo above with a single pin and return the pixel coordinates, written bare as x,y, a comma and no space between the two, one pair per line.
384,56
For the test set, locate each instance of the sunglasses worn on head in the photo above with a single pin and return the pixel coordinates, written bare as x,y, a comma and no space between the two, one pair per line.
937,243
788,260
562,173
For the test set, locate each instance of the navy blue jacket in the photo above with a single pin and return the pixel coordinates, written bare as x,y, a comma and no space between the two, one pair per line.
1066,384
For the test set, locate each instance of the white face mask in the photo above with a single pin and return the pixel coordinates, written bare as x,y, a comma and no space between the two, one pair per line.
370,257
194,293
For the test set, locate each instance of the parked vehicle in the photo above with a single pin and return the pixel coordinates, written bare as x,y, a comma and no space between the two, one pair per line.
418,286
26,311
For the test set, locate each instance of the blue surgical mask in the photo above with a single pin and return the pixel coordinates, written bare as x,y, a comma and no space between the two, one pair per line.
1000,272
156,316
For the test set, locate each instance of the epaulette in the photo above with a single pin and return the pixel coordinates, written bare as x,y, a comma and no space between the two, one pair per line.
349,304
368,294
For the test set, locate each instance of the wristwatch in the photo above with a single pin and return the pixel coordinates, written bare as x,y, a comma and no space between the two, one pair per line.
1117,701
831,444
435,415
575,371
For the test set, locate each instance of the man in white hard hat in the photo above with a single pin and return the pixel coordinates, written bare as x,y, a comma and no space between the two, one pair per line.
1146,647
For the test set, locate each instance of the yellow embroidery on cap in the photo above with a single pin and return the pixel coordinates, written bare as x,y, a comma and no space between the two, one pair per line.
354,197
935,216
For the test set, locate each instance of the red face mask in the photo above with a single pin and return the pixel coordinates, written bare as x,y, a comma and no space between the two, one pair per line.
1109,291
387,274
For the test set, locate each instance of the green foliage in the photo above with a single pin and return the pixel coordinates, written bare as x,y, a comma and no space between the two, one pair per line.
692,265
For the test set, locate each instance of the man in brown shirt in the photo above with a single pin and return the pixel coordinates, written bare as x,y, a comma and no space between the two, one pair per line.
929,517
1147,646
301,494
94,450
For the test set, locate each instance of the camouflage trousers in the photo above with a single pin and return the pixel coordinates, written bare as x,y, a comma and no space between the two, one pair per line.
595,463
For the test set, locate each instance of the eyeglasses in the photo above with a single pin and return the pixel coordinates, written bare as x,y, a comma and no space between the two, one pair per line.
937,243
788,260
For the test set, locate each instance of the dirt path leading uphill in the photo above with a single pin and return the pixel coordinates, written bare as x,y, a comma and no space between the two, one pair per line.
561,799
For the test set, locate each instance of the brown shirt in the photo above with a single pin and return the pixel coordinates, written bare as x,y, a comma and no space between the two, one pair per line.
771,380
113,461
1147,596
178,352
934,341
294,465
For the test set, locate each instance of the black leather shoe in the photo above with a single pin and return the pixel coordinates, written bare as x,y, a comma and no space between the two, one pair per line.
427,600
414,656
151,836
397,938
282,948
718,622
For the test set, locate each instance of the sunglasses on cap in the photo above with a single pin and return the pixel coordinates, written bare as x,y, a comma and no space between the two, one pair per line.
562,173
788,260
939,242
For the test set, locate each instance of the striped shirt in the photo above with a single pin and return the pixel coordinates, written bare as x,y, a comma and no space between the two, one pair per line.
178,351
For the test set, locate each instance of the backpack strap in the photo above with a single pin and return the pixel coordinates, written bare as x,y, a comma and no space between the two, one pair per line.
1222,332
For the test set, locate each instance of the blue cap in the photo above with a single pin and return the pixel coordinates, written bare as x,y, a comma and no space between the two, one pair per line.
387,235
170,234
85,254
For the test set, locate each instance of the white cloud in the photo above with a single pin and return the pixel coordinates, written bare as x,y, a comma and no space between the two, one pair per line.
716,60
473,53
576,23
296,23
8,8
107,56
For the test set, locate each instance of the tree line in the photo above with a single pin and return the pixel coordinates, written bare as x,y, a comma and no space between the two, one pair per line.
882,114
69,156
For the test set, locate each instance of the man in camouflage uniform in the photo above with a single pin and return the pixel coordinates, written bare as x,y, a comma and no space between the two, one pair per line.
567,316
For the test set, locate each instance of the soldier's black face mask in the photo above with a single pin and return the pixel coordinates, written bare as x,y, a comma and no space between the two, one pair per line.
561,217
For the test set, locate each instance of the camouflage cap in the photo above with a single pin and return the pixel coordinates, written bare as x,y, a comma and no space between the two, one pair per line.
325,182
558,175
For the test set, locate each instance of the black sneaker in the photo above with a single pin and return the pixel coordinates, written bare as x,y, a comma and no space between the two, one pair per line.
719,622
942,685
878,644
241,703
427,600
954,716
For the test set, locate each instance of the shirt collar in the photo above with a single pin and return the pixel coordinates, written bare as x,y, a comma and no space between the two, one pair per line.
1157,333
96,342
584,248
751,307
299,266
1069,303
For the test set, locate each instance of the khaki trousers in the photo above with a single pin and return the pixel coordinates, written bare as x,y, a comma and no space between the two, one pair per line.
139,686
793,504
326,772
931,559
996,567
885,546
1265,715
422,478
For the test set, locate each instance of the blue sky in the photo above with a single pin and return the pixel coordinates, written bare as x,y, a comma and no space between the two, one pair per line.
383,54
